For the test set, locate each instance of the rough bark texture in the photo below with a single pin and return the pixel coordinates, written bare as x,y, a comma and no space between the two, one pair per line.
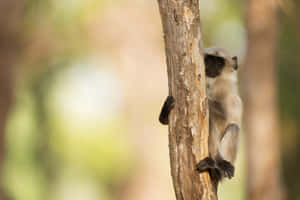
188,127
261,115
10,16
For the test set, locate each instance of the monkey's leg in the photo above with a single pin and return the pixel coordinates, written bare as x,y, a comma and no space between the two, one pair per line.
228,150
226,168
166,109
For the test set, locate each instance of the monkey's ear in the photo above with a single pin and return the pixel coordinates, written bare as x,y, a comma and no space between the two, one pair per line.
236,66
212,61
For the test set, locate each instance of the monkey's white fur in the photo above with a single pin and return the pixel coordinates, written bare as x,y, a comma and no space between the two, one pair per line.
222,92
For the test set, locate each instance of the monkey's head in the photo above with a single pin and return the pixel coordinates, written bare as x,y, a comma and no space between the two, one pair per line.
219,62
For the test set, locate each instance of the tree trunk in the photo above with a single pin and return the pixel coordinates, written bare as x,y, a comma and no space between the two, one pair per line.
261,115
188,126
10,16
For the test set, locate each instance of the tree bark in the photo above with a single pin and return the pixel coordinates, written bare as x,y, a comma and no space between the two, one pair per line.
188,122
261,115
10,17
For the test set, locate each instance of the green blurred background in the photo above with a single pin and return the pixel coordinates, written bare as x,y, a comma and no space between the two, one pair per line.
89,83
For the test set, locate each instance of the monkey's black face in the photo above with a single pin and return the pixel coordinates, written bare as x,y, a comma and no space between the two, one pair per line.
213,65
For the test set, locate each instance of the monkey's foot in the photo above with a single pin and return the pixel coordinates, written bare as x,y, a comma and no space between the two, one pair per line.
166,109
226,168
205,164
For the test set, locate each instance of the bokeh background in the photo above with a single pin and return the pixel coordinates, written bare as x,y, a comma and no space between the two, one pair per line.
82,83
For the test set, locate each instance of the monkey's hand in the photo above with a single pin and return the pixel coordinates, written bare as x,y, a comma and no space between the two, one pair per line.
166,109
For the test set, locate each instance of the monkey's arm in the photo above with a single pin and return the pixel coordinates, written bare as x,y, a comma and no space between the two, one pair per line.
166,109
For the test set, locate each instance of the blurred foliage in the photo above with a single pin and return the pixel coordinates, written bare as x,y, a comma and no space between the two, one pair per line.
57,147
64,142
44,144
289,95
222,25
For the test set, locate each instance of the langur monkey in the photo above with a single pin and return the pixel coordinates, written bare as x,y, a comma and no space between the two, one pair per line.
225,114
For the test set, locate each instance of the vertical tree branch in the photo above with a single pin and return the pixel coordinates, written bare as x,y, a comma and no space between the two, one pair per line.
261,116
188,127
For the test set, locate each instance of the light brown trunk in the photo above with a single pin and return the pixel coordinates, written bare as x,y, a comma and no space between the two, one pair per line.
10,16
260,113
188,127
